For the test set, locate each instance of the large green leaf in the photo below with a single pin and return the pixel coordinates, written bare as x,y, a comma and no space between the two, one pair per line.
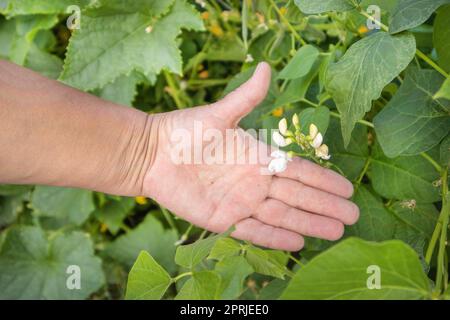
150,236
10,207
376,223
300,64
263,262
114,212
33,266
342,273
203,285
122,90
445,152
366,68
320,6
147,279
318,116
190,255
233,271
349,160
29,7
404,178
224,248
65,204
444,90
411,13
139,36
413,122
441,36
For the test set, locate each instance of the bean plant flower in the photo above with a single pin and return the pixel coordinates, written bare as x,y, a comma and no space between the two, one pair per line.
312,144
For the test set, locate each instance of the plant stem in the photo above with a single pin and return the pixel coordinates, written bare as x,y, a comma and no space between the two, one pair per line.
173,89
168,218
296,260
288,24
182,275
432,161
337,115
363,172
445,212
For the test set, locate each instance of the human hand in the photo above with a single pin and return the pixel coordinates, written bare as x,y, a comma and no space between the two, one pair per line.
274,211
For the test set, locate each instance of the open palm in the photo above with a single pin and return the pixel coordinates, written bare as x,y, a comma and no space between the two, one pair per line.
269,210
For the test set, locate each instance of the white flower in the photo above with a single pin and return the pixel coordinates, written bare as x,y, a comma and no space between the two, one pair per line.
282,126
280,140
279,161
313,131
295,120
322,152
317,141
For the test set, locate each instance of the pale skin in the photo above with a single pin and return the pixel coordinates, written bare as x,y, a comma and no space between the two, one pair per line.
55,135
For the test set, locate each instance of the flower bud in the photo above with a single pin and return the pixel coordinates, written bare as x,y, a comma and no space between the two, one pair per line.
295,120
317,142
282,126
313,131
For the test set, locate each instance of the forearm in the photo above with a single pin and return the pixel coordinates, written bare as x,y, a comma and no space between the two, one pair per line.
54,135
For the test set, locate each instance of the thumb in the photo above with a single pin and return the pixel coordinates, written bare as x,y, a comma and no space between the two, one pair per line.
244,99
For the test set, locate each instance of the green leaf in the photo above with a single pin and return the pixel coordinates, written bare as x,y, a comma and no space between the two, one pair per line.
376,223
273,290
444,90
404,178
366,68
29,7
122,90
233,271
300,65
342,273
150,236
11,190
117,34
190,255
10,207
224,248
421,217
441,36
320,6
413,122
262,262
68,205
114,211
147,279
43,62
350,160
203,285
445,152
33,266
412,13
319,116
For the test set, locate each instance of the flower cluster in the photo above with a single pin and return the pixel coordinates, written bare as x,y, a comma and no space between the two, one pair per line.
311,143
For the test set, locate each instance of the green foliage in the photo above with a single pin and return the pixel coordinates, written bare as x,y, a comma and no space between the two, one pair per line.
33,265
411,13
366,68
381,98
413,121
342,273
147,279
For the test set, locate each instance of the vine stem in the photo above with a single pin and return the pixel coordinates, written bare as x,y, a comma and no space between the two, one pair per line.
182,275
296,260
173,89
432,161
288,24
419,53
445,212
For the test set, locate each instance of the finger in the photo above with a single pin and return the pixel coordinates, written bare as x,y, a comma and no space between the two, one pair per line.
268,236
318,177
278,214
244,99
301,196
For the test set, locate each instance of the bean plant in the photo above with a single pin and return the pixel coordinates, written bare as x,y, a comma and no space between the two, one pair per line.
370,76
